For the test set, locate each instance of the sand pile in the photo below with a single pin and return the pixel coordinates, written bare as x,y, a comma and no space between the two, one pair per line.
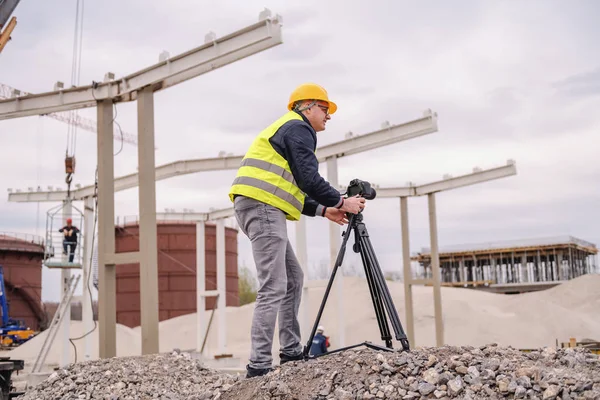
128,343
471,317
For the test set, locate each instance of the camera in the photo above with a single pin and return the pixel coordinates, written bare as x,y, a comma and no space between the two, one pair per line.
362,188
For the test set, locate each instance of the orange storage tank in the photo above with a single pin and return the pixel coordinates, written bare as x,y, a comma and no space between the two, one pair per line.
21,257
176,270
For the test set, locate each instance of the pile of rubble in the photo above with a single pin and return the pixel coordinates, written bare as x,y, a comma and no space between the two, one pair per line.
164,376
487,372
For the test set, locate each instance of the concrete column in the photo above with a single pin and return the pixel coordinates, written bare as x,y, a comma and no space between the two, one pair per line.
200,283
302,255
334,248
408,299
554,266
571,267
221,285
148,234
65,275
539,274
516,271
435,269
107,310
87,313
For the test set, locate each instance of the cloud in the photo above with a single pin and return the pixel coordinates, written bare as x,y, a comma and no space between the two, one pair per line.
580,85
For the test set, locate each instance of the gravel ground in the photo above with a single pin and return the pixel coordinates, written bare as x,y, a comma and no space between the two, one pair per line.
487,372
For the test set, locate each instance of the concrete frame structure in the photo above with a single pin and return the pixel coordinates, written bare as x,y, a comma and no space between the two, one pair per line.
513,266
140,86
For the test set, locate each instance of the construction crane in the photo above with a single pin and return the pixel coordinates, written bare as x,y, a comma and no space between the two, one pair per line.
7,92
6,9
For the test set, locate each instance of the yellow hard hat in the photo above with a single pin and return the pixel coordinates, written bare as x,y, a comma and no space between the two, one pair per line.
311,91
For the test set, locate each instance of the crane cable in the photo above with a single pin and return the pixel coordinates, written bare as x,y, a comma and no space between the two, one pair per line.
75,76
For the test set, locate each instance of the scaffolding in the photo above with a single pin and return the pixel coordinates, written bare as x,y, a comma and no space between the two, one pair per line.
516,265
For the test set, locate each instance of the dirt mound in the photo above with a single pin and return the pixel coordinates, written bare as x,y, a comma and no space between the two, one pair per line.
487,372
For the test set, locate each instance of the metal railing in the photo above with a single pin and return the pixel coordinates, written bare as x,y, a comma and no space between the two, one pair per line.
19,241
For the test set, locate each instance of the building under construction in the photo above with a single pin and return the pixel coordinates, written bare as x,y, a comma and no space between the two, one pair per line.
512,266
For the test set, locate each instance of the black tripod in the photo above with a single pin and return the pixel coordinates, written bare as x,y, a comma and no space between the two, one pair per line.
379,291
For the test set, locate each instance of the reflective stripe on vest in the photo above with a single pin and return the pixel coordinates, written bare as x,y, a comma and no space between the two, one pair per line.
276,169
268,187
264,175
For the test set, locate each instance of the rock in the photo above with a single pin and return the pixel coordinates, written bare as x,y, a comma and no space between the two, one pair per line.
455,386
444,377
503,385
473,371
492,364
341,394
431,361
425,388
431,376
524,381
461,369
551,392
520,392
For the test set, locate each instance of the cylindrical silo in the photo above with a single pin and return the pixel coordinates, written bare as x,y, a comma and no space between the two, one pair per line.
176,270
21,257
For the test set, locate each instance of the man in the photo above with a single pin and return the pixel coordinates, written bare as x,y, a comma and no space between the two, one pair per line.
320,342
70,238
279,180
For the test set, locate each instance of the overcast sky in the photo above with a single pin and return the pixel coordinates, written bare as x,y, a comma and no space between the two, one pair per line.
508,80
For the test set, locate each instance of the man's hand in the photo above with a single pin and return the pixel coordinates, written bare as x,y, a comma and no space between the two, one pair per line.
336,215
353,205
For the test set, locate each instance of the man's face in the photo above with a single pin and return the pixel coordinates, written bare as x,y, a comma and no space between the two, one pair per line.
318,115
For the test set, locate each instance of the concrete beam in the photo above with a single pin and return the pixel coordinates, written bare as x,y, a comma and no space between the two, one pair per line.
213,54
477,176
387,135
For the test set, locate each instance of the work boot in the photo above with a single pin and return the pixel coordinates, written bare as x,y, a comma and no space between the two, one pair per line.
285,358
253,372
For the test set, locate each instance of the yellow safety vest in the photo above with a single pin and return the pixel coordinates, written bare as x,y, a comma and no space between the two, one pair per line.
266,176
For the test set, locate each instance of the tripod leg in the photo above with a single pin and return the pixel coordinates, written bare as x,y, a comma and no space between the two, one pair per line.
373,289
387,297
338,263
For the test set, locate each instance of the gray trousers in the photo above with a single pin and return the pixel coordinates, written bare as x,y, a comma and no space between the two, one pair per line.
280,280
